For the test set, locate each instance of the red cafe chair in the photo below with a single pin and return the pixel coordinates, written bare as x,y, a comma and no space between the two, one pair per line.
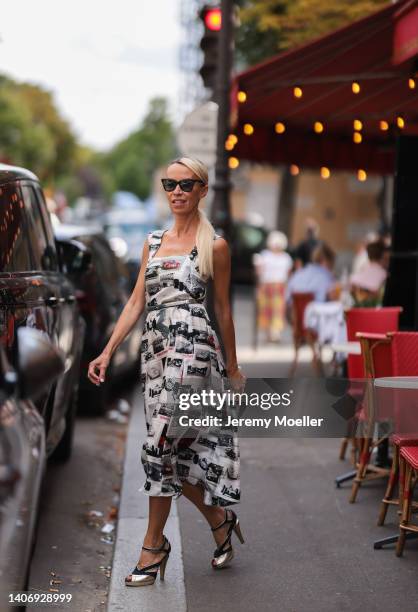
300,333
404,355
365,320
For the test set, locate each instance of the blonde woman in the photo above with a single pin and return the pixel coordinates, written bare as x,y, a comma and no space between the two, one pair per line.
180,351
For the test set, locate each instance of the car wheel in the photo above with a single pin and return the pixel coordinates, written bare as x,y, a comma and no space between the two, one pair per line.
63,451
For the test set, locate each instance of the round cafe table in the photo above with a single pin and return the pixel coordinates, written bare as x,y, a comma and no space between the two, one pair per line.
395,382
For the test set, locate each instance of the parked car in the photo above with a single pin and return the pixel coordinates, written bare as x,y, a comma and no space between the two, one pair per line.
126,231
246,240
36,364
102,290
35,292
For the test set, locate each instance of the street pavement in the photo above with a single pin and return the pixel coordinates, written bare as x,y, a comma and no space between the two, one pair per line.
306,548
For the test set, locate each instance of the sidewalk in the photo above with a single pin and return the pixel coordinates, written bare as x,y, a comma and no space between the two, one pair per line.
168,596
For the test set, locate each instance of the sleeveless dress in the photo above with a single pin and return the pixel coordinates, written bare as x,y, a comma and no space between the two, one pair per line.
181,352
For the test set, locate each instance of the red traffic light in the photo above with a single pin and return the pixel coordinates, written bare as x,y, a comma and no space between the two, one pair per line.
213,19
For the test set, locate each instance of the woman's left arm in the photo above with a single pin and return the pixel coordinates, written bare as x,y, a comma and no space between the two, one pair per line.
222,306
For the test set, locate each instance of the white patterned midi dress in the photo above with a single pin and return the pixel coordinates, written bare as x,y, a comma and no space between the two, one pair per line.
180,351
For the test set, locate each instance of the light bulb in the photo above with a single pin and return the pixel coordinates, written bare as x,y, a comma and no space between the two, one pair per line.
280,127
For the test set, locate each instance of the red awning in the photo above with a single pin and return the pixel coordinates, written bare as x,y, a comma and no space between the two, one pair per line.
325,70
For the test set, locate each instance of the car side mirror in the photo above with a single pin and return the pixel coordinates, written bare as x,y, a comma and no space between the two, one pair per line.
75,257
37,362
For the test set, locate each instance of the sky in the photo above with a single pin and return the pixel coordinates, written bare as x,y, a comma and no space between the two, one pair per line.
102,60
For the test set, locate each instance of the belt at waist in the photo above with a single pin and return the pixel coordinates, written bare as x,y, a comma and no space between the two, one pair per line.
173,304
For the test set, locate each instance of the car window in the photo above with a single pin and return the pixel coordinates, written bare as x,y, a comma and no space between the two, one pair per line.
14,245
43,251
45,214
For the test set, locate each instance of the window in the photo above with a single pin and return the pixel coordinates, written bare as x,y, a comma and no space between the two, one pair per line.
44,253
14,247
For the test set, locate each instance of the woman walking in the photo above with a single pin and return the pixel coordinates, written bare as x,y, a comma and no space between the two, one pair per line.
179,352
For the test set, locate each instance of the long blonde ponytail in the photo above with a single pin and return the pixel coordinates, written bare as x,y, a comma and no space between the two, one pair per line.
205,230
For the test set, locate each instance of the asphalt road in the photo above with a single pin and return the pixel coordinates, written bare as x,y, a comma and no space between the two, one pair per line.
72,554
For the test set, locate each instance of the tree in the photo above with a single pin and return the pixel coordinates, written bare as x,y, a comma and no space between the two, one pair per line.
32,133
270,26
133,161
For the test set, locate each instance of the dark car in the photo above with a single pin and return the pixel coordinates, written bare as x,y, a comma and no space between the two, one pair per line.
35,292
102,291
36,364
246,240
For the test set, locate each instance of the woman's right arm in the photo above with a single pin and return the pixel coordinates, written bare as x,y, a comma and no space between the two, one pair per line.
133,309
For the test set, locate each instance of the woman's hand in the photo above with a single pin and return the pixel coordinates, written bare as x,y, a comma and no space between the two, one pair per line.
236,378
101,363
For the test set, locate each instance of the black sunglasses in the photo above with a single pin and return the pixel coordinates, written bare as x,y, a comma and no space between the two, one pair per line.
185,184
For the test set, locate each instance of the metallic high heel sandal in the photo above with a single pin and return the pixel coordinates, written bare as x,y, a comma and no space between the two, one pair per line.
144,576
224,553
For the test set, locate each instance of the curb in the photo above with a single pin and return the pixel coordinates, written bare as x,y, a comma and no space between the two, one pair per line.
169,595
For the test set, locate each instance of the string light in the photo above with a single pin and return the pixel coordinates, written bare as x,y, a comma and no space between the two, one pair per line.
294,170
355,87
361,175
325,172
248,129
400,122
230,142
233,162
280,127
384,126
357,137
241,96
411,83
358,125
297,92
318,127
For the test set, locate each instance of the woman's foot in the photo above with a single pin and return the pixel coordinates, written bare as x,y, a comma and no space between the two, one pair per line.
222,533
147,558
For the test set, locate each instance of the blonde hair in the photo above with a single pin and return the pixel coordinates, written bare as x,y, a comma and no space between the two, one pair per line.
205,229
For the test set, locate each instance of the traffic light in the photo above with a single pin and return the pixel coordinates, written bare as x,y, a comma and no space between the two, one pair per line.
211,17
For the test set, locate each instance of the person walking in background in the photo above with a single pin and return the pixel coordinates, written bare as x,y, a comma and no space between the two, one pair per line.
272,267
304,250
180,351
315,277
368,283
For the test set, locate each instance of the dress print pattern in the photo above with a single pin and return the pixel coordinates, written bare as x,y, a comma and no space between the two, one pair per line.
180,353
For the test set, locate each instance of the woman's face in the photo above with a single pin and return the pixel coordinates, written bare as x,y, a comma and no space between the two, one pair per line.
182,202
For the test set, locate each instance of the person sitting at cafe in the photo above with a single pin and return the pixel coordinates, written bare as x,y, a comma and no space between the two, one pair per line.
368,284
316,277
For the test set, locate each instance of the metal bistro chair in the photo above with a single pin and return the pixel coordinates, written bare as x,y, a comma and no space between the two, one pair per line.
365,322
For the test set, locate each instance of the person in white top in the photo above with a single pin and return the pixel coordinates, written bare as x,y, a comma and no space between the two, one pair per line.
272,267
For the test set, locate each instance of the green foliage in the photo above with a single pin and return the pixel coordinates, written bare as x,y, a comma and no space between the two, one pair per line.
32,133
133,161
270,26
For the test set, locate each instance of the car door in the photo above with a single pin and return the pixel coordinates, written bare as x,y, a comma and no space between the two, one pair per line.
65,317
23,290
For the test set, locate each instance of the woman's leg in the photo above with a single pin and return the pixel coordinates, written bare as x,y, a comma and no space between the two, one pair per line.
213,514
159,509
